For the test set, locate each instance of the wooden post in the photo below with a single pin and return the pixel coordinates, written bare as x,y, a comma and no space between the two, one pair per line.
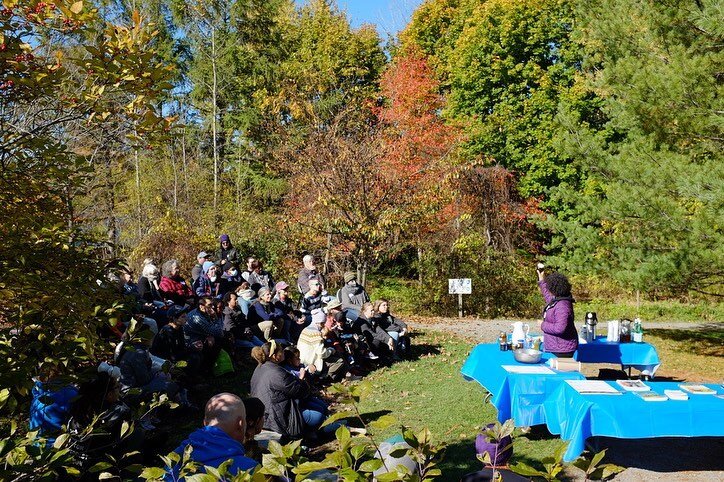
460,305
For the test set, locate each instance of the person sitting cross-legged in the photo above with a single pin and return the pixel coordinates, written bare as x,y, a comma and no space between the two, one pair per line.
220,439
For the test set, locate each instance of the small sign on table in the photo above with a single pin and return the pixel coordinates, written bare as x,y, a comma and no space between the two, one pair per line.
460,287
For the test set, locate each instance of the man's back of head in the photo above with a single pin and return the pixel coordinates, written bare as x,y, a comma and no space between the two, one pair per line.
226,411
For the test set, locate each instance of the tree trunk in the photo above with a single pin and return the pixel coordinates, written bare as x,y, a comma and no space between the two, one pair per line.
137,164
214,114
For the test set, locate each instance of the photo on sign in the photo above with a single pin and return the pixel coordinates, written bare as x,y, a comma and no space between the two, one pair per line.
460,286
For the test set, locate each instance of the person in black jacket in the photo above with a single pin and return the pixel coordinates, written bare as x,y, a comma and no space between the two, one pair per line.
227,252
394,327
101,397
170,344
282,394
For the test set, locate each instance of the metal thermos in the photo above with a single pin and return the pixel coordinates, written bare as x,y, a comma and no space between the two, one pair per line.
591,322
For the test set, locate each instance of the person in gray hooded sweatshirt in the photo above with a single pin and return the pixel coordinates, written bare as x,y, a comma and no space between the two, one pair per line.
352,295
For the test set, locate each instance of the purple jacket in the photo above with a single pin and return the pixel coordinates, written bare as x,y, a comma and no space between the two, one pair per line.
559,330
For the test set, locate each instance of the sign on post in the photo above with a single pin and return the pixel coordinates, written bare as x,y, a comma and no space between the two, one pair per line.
460,287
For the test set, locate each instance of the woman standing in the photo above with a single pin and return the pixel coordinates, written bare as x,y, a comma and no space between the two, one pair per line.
559,331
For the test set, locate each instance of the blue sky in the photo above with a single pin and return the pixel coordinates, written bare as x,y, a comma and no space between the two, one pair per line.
390,16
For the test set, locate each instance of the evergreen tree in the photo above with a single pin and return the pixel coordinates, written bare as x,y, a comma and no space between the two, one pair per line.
651,213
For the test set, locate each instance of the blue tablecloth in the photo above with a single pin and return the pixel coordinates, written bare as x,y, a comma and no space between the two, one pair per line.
641,356
576,417
515,395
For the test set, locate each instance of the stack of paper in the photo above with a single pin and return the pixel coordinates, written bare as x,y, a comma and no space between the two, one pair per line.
633,385
650,396
676,394
592,387
697,389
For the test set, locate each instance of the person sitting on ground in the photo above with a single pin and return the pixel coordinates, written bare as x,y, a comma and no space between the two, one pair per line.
148,286
559,331
221,438
198,268
379,341
394,327
281,393
50,407
227,252
173,287
249,269
209,283
338,336
254,425
312,301
170,344
268,319
128,287
352,295
307,273
293,319
100,397
134,359
236,323
230,278
205,332
293,364
246,297
259,278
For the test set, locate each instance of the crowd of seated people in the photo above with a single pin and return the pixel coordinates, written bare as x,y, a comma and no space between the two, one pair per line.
178,330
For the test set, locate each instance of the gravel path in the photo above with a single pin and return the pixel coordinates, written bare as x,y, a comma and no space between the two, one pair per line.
661,459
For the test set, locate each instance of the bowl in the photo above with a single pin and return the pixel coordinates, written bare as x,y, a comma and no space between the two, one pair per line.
527,355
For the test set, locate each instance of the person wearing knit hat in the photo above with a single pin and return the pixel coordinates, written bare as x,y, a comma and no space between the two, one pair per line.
332,304
209,283
226,251
293,319
267,318
352,295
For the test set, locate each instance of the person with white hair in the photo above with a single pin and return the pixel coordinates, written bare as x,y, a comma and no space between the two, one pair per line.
307,273
148,285
220,439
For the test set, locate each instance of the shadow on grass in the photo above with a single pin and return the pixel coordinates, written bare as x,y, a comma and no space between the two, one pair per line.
705,339
419,350
370,416
664,454
460,459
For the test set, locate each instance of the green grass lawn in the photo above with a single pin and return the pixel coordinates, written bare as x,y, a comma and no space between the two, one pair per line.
428,391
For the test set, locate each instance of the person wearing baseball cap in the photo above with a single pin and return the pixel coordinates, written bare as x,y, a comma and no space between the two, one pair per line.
198,269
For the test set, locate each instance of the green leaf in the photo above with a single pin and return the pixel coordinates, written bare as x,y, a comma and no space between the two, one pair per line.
276,449
526,470
100,466
201,478
597,458
152,473
370,465
60,441
342,434
383,423
337,416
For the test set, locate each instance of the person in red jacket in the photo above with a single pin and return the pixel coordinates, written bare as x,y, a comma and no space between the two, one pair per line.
173,287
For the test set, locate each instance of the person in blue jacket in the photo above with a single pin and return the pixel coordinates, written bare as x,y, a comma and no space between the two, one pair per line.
50,407
220,439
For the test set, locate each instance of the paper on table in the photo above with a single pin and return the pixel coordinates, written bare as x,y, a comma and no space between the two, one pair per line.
529,369
633,385
590,387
